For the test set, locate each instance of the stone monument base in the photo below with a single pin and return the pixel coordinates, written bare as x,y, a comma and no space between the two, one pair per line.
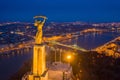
44,76
39,71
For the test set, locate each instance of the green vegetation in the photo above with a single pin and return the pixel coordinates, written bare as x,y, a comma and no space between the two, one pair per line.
93,66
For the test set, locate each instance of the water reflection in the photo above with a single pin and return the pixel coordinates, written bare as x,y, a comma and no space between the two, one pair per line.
10,62
92,40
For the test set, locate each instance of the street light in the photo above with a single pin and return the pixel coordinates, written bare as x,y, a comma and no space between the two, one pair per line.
69,57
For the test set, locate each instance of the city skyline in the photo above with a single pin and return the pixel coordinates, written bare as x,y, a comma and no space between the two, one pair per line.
61,10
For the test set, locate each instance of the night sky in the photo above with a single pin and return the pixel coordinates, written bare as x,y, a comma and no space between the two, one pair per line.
61,10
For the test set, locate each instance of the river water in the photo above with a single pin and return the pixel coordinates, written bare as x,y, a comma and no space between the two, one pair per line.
11,64
92,40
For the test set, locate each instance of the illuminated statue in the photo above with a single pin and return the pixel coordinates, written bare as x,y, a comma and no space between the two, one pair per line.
39,24
39,70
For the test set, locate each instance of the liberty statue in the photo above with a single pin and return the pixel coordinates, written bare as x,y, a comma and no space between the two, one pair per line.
39,24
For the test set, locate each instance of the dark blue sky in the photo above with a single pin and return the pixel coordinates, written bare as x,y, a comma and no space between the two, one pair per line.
61,10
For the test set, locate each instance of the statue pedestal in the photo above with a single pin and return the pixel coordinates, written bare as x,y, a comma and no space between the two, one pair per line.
39,71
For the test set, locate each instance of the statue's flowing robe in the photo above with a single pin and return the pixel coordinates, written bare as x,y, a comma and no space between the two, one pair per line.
38,39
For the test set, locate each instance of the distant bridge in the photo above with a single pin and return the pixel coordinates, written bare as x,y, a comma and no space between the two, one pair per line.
68,46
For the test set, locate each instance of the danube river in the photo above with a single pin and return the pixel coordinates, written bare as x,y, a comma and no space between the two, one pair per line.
11,63
92,40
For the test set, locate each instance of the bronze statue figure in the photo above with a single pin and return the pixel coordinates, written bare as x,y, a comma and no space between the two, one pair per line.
39,24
